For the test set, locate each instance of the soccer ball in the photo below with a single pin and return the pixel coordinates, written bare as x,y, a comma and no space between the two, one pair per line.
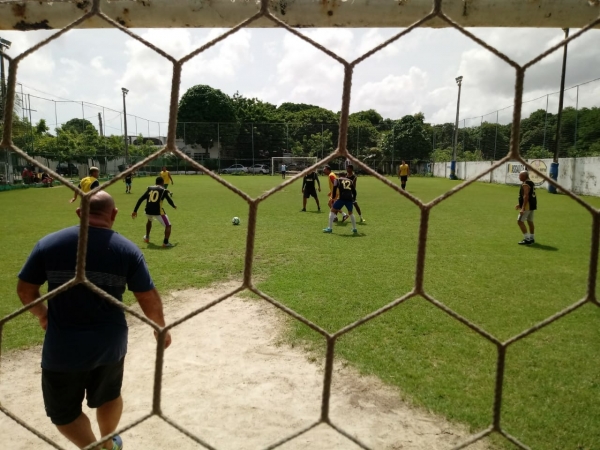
235,221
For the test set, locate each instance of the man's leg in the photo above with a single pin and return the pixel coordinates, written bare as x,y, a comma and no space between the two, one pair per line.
524,231
79,432
317,200
303,202
108,416
167,234
531,230
148,229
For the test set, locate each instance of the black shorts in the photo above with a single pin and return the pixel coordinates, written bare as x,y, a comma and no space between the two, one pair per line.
403,178
310,193
64,391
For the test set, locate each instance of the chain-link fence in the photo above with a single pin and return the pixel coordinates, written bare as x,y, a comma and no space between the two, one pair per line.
344,149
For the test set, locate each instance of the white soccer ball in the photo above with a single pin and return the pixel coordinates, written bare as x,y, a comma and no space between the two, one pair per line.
235,221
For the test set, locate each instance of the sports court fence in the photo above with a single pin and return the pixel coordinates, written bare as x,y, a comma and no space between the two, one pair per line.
438,15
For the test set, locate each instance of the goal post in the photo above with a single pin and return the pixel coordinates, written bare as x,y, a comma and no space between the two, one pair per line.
294,164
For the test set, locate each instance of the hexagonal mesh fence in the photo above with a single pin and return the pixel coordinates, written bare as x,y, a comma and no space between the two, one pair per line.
438,14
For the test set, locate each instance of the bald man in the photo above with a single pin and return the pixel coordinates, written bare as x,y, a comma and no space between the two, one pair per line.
86,335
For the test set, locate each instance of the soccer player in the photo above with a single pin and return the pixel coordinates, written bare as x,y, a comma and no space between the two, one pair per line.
403,173
352,176
526,207
154,197
308,189
344,193
127,181
88,183
283,170
332,177
166,176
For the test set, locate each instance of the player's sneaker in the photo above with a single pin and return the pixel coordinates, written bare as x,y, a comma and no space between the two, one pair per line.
531,241
335,219
327,230
117,443
346,216
526,242
146,239
168,245
303,210
362,220
354,230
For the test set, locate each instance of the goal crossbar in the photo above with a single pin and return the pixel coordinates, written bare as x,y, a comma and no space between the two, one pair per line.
36,15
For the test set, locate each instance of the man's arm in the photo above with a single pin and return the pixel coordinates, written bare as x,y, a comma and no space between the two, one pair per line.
303,183
28,293
75,196
139,202
318,182
151,305
168,197
171,178
335,186
525,197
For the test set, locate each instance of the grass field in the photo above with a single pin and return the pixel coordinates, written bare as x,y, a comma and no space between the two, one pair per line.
473,265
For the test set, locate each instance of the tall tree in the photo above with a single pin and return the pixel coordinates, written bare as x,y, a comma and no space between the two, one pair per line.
209,117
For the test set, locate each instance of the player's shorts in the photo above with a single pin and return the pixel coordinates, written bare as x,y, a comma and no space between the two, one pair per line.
165,186
162,219
310,193
339,204
128,183
403,178
526,216
64,392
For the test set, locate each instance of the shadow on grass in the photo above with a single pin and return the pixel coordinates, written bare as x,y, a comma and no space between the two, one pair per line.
160,247
543,247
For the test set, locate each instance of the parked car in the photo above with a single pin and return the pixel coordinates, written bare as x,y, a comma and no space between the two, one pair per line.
67,169
259,168
236,168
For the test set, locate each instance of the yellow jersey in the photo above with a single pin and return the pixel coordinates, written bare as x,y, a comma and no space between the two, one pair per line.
403,170
332,177
166,176
88,183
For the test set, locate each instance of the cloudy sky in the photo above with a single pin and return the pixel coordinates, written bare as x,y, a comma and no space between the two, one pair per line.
414,74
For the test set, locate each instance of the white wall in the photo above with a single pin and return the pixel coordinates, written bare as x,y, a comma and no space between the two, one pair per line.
579,175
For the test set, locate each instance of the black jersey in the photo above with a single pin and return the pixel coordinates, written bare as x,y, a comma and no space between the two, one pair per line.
128,178
308,182
532,204
154,197
346,188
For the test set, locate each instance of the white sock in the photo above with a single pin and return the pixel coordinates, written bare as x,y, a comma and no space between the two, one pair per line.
531,236
353,220
331,217
525,236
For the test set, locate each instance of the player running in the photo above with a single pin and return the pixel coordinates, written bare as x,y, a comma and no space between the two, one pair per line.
154,197
127,181
332,177
308,189
88,183
344,193
352,176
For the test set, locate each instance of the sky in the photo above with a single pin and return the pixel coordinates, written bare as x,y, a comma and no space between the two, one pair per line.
414,74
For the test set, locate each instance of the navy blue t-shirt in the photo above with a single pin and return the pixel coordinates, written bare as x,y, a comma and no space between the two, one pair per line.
84,330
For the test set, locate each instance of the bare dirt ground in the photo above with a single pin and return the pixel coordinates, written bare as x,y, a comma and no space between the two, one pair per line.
230,381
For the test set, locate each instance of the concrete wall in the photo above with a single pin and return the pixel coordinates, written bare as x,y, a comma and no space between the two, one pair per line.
579,175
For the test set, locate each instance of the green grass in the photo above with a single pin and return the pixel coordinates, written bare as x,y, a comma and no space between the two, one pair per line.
473,265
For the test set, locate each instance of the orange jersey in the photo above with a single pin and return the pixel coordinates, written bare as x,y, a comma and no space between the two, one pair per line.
332,177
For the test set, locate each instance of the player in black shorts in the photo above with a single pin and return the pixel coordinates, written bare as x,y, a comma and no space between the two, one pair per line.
308,189
127,181
352,176
154,197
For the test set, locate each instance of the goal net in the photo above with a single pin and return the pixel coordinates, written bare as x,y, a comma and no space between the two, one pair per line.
293,164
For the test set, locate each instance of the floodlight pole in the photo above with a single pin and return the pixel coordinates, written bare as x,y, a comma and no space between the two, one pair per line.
125,92
554,164
455,144
3,44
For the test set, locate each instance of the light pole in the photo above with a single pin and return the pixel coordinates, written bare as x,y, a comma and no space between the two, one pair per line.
125,92
4,44
554,166
453,163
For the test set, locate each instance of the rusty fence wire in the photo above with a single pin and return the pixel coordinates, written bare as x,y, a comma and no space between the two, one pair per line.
437,13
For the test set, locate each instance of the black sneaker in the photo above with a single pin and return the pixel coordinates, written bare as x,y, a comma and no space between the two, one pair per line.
526,242
302,210
335,219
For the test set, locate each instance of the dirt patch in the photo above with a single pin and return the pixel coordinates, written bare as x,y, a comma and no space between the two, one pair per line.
230,381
